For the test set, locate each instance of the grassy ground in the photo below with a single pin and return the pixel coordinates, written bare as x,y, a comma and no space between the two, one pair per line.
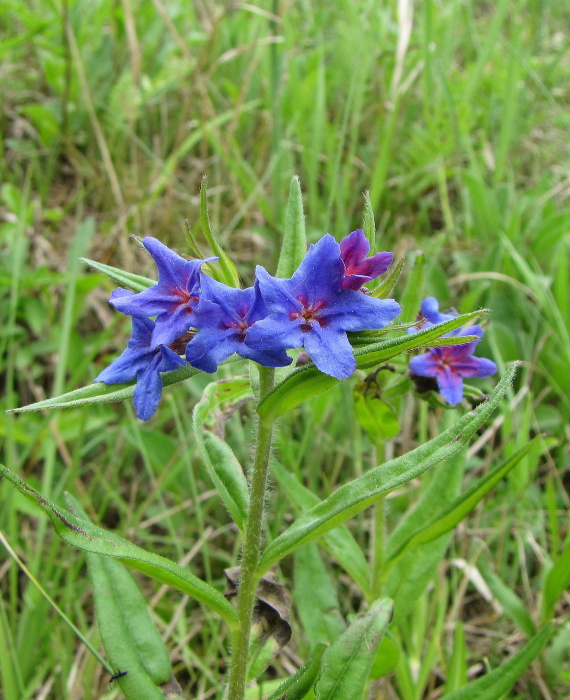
454,114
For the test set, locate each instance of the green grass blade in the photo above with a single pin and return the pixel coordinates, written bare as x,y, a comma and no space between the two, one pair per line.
457,510
495,684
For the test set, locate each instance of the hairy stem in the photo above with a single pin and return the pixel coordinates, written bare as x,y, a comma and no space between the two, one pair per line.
251,548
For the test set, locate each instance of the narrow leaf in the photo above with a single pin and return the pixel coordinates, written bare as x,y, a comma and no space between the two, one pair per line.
455,511
306,382
91,538
355,496
103,393
368,223
129,636
495,684
383,290
294,246
219,401
137,283
346,664
297,687
229,272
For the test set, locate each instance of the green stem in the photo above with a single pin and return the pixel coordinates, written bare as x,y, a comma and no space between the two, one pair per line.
251,548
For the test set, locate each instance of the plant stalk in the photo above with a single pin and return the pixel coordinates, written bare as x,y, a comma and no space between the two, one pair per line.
251,548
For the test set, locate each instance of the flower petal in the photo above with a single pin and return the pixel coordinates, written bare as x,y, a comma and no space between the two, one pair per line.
450,386
330,351
148,390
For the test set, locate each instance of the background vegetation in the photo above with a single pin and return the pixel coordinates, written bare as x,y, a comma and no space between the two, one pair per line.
454,114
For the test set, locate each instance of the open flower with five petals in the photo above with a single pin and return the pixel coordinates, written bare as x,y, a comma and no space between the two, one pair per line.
449,365
141,361
313,310
173,299
219,337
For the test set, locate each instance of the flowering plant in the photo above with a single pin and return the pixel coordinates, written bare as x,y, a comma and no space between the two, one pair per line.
194,318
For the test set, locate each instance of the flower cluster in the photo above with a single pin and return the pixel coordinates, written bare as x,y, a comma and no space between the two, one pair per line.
448,365
189,312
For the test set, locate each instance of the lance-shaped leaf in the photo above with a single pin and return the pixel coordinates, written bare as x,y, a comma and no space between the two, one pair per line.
493,685
219,401
355,496
368,223
307,381
91,538
229,272
130,639
137,283
103,393
346,664
294,246
455,511
297,687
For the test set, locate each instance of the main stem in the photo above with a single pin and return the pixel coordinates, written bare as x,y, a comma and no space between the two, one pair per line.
251,548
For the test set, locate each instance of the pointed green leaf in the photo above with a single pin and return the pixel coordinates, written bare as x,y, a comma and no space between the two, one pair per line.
229,272
297,687
91,538
130,638
347,663
455,511
383,290
219,401
355,496
137,283
368,223
306,382
495,684
103,393
294,246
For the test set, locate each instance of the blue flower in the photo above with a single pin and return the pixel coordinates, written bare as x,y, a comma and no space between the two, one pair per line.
141,361
448,365
358,269
313,310
218,338
430,315
173,299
